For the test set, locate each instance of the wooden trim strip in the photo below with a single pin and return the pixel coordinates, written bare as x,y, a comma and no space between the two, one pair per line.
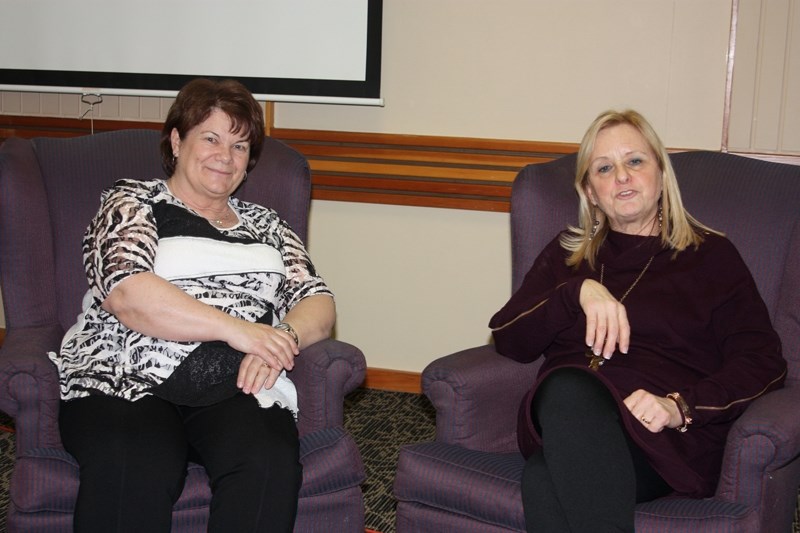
412,185
774,158
431,157
422,141
393,380
410,200
413,169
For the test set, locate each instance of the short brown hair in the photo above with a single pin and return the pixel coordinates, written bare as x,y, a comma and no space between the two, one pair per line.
195,102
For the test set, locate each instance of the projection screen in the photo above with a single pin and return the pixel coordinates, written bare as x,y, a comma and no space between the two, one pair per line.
284,50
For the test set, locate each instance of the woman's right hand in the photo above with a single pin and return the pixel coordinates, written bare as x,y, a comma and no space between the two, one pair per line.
606,320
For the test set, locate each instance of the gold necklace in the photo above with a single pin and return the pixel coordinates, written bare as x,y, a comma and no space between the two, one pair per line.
222,221
219,222
596,361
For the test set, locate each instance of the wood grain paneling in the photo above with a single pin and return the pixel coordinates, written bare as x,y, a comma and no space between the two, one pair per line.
452,172
393,380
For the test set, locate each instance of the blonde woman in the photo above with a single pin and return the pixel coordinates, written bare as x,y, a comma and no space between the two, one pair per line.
655,339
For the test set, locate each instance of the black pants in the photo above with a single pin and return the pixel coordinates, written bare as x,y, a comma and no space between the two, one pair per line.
133,456
589,475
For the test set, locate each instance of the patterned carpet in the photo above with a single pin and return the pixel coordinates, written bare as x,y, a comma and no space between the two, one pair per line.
380,422
6,466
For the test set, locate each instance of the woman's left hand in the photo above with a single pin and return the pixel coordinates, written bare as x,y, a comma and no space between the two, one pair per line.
255,374
653,412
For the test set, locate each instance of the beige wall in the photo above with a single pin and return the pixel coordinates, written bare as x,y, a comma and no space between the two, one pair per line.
417,283
542,70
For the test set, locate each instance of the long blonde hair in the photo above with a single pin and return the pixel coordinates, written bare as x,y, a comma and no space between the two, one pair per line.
679,229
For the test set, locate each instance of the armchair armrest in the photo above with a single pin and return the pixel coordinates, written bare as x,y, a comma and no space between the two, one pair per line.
765,438
29,387
477,393
323,374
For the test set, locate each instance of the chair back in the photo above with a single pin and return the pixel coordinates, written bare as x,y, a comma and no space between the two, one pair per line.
755,203
50,188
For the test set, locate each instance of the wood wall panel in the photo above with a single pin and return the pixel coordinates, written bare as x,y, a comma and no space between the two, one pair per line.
412,170
450,172
393,380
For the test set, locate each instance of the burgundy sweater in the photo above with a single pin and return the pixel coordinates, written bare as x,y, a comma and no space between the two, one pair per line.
698,327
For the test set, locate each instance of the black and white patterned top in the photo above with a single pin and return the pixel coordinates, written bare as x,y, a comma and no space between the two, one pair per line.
257,267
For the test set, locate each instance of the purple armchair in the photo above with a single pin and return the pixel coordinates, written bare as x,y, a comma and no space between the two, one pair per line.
468,478
49,189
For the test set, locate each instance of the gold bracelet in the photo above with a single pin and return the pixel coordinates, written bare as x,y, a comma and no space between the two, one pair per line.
683,407
283,326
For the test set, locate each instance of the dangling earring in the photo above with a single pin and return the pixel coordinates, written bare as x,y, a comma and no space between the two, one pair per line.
660,216
595,225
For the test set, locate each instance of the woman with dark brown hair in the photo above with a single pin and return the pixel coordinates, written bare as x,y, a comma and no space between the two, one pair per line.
198,304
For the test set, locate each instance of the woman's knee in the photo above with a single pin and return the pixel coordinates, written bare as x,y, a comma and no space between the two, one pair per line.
123,445
269,456
270,450
571,392
570,384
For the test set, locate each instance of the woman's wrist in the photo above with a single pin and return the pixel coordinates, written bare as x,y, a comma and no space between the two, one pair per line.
285,326
683,409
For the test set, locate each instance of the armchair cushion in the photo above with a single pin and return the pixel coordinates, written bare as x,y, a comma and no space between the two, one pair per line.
484,485
44,479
